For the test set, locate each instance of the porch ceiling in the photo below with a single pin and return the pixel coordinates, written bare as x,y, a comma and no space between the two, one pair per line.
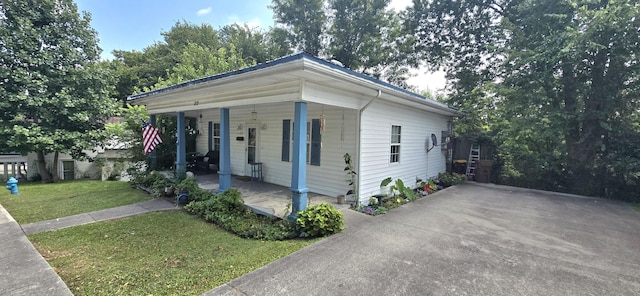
293,78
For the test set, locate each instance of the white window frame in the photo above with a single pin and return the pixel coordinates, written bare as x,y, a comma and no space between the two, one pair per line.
216,138
395,142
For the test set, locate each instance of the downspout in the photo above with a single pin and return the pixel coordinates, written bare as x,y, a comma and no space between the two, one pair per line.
358,149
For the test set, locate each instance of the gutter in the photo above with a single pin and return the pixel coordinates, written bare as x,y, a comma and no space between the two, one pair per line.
358,146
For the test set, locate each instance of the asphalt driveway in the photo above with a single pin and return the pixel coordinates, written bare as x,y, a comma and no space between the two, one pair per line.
467,240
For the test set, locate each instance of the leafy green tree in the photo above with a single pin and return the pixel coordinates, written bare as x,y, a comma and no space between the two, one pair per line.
562,82
55,94
137,70
356,32
363,35
200,47
304,21
277,42
197,61
249,43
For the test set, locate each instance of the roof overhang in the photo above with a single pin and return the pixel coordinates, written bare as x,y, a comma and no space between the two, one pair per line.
297,77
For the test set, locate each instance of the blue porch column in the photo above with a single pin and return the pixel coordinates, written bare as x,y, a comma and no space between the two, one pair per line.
181,148
224,174
153,156
299,165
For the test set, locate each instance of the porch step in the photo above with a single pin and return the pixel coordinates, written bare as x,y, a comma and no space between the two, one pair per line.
261,210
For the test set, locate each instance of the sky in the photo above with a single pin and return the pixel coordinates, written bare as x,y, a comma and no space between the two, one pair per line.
136,24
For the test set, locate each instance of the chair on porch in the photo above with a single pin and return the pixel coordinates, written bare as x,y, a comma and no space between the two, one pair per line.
205,163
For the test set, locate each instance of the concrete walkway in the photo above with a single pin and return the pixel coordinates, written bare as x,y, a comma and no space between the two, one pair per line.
467,240
23,271
153,205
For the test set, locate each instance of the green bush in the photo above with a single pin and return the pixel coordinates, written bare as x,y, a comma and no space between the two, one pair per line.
153,181
227,210
320,220
450,179
190,185
402,191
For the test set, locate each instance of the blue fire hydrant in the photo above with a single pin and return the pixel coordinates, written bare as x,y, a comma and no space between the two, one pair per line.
12,185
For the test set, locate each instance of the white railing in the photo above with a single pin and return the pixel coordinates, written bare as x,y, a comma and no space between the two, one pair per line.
13,166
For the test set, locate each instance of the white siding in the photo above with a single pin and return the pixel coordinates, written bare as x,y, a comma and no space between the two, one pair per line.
82,169
417,127
338,138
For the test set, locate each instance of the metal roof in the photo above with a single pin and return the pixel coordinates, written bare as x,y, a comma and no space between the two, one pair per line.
279,61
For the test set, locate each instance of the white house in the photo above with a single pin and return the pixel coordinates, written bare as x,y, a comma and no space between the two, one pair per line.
106,159
257,114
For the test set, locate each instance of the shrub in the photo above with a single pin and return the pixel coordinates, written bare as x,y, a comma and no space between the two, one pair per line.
190,185
221,205
320,220
450,179
402,191
227,210
153,181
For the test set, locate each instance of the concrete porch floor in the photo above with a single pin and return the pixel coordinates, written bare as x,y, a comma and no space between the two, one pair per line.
266,197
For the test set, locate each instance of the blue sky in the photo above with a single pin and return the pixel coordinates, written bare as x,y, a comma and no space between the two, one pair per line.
136,24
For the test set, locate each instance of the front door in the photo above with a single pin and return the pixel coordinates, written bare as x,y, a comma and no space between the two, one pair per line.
252,147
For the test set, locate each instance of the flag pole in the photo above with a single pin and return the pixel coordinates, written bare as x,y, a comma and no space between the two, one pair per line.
153,156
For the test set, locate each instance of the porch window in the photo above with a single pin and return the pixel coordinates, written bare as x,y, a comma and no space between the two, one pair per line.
216,136
313,141
395,144
308,142
316,142
286,139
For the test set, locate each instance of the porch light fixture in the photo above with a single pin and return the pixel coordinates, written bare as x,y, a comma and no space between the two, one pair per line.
263,126
254,115
240,126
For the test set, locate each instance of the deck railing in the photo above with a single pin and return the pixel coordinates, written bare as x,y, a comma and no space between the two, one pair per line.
13,166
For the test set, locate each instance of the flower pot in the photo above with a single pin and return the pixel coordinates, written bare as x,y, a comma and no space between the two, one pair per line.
341,199
168,191
385,190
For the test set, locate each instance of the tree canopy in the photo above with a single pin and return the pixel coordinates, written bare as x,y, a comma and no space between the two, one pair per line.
363,35
191,51
55,94
553,85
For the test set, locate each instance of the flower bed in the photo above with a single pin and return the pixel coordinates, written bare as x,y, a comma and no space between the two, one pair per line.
400,194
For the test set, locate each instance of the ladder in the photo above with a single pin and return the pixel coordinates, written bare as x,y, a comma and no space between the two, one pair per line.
474,156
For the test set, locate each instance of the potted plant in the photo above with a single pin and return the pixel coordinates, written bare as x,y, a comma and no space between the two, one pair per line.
341,199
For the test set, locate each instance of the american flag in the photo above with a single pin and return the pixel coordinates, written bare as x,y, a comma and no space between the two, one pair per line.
150,137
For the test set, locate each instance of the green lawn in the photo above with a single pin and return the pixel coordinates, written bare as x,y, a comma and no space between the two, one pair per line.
39,202
164,253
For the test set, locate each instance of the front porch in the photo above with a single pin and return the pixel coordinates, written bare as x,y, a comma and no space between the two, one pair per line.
265,197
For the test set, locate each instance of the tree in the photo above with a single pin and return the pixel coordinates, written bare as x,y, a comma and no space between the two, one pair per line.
305,22
143,70
197,61
55,94
563,77
356,32
364,36
250,43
